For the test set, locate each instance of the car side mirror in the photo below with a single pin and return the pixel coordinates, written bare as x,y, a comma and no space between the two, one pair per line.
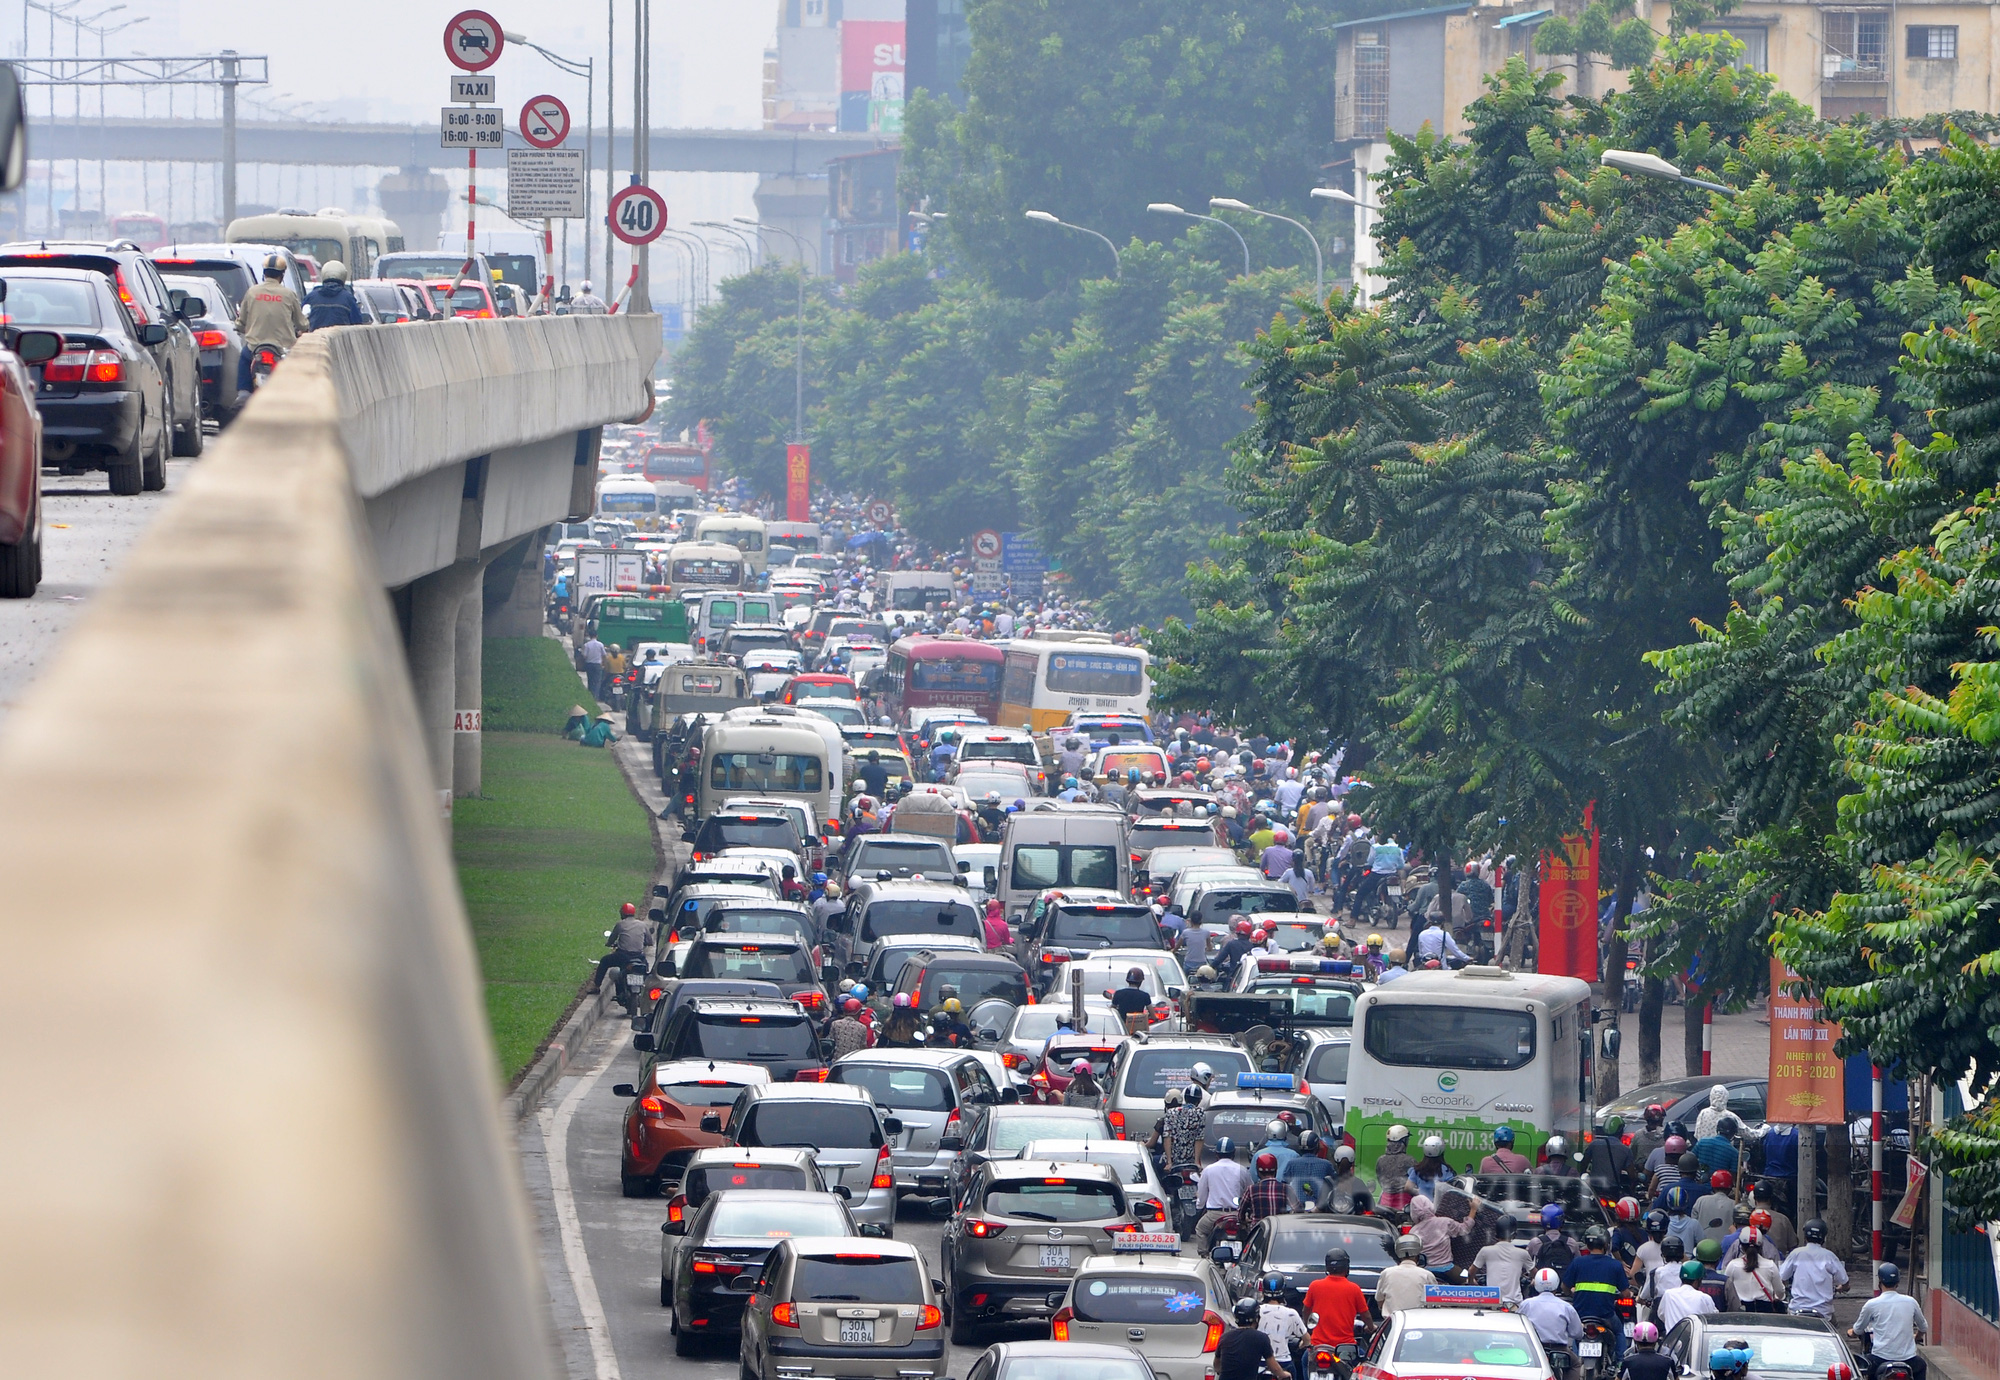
195,306
1611,1040
152,333
623,1090
879,1230
892,1125
829,973
842,1192
1010,1095
711,1122
673,1228
643,1041
952,1144
658,915
1224,1254
965,866
1176,993
940,1208
35,347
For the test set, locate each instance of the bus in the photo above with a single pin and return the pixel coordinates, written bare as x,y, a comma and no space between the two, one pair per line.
323,236
703,565
907,591
142,228
1045,681
1461,1054
626,495
676,462
942,672
739,530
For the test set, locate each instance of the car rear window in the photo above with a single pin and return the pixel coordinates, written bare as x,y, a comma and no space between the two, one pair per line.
857,1277
1308,1245
1217,904
976,985
1038,866
1123,927
769,962
903,1089
753,1038
1055,1199
788,1218
811,1125
1152,1071
1244,1125
704,1179
1005,750
923,854
1465,1346
51,302
884,918
708,1092
1149,1298
1328,1063
742,920
1011,1133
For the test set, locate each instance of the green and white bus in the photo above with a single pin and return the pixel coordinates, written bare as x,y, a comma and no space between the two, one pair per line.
1460,1055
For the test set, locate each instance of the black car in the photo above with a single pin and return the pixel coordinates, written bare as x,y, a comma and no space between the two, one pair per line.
136,279
678,992
744,829
390,303
759,956
746,1030
206,309
103,399
709,1262
1293,1246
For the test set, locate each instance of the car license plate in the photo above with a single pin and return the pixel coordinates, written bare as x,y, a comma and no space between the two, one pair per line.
1055,1257
857,1329
1590,1348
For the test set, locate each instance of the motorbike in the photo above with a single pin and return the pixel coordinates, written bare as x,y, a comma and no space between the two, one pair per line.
1180,1184
1598,1349
1877,1369
263,361
1336,1362
629,987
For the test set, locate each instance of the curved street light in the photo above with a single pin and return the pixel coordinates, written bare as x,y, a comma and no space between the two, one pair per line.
1345,198
1167,208
1117,264
1319,261
1653,166
799,353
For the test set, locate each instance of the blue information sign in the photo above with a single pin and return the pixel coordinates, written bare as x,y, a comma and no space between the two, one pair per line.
1020,556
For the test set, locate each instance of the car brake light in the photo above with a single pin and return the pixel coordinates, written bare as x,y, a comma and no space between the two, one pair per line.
811,1075
1117,1120
984,1230
1120,1230
1213,1320
677,1208
785,1315
1059,1324
656,993
653,1106
66,367
210,340
883,1177
125,296
704,1267
930,1317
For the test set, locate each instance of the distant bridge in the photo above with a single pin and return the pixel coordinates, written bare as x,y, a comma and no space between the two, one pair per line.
770,152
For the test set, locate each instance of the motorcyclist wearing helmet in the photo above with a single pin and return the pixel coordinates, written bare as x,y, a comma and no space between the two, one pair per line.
1177,1134
1594,1280
901,1030
270,315
1132,1001
846,1032
1504,1159
992,818
1277,1143
1556,1160
1628,1233
1712,1210
1280,1321
1731,1360
1666,1274
1331,1305
1502,1264
1229,958
1245,1352
1219,1190
627,942
1554,1320
1402,1285
1432,1175
1663,1168
1891,1325
1813,1273
1686,1299
1436,1231
1751,1276
948,1025
1267,1196
1679,1201
1649,1136
1348,1192
1607,1160
332,302
1392,1170
1644,1361
1309,1172
1553,1248
1084,1090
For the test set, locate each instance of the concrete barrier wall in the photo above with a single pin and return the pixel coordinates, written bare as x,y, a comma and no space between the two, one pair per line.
251,1123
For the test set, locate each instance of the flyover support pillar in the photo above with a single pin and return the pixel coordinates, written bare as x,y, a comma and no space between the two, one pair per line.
468,673
435,601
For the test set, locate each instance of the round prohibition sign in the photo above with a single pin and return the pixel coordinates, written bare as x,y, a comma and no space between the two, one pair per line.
638,215
545,122
986,544
473,40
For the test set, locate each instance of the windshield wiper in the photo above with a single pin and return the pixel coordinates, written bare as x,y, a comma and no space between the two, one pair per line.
836,1298
1035,1216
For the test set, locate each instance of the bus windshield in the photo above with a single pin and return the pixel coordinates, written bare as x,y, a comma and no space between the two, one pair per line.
707,570
742,538
955,673
1095,673
1461,1037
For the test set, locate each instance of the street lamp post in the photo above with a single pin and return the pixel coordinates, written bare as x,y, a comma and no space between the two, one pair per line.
749,249
1650,165
799,354
1167,208
1319,262
1117,264
1344,197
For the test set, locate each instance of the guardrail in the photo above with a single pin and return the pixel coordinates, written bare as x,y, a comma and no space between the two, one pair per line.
252,1123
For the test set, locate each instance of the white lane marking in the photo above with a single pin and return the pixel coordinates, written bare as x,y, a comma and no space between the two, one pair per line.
555,1136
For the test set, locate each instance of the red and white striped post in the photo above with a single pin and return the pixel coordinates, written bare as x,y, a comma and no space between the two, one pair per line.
549,263
1875,1164
1707,1039
471,207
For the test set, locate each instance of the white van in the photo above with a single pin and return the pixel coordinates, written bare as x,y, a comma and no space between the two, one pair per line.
739,530
762,754
722,609
804,717
1074,847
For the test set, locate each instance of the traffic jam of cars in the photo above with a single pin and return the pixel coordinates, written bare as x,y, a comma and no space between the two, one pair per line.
1164,1110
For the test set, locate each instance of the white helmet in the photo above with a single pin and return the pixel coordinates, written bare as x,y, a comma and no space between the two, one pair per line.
1547,1281
1557,1147
1398,1134
1433,1147
333,271
1201,1073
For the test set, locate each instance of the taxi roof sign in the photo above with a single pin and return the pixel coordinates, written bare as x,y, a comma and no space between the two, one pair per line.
1282,1081
1462,1295
1164,1242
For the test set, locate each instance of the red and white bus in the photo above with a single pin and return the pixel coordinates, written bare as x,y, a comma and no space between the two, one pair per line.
677,462
143,228
942,672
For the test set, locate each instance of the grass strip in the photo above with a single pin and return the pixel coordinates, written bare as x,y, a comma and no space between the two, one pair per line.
530,685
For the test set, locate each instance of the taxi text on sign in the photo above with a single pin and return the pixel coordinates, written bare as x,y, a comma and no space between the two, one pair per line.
1807,1086
798,483
1568,930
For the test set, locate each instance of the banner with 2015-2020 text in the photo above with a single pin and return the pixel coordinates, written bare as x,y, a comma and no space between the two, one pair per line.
1807,1083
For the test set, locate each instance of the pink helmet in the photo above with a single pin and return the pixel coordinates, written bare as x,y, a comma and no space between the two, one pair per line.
1645,1334
901,1000
1676,1146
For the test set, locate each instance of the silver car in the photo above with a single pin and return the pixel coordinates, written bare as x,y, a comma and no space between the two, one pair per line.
1048,1360
1027,1034
851,1136
926,1090
829,1306
1167,1307
1021,1231
1129,1160
1135,1090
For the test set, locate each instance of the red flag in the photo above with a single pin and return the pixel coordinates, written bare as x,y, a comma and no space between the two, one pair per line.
1568,932
798,483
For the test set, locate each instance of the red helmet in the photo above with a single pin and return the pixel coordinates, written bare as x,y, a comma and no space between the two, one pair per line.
627,911
1628,1209
1471,868
1655,1114
1187,778
1267,1163
1243,927
1761,1220
1840,1373
1722,1181
1287,1117
1354,821
1201,764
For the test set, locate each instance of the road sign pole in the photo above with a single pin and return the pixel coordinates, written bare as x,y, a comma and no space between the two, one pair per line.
471,209
549,263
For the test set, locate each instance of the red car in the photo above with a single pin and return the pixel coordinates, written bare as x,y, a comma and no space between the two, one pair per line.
467,297
663,1122
819,685
21,462
1053,1078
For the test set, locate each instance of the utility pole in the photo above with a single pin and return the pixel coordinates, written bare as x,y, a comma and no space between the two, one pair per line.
231,75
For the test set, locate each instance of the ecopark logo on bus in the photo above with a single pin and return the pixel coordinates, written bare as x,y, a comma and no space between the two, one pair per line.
1447,1081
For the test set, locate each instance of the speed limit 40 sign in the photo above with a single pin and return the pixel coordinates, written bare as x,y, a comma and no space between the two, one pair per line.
638,215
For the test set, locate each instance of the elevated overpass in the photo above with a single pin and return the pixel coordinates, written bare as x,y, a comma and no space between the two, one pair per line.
253,1121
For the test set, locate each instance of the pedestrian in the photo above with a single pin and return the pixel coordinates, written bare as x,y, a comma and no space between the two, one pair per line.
593,667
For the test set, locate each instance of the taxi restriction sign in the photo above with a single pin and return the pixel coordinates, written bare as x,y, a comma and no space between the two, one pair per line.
473,40
638,215
545,122
986,545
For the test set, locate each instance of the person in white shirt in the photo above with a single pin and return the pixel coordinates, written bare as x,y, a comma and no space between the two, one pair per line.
1553,1318
1503,1264
1893,1324
1219,1188
1753,1278
1281,1322
1684,1300
1402,1285
1813,1273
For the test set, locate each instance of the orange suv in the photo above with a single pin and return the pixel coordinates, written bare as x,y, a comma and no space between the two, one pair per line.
663,1122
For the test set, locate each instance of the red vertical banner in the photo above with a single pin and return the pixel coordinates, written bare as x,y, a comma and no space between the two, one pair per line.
1568,930
798,483
1807,1083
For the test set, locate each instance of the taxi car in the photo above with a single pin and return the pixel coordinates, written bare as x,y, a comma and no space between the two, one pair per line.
1458,1342
1167,1307
663,1123
1245,1110
1322,990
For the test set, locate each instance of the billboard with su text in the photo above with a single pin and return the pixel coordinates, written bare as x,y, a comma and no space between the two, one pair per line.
871,75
